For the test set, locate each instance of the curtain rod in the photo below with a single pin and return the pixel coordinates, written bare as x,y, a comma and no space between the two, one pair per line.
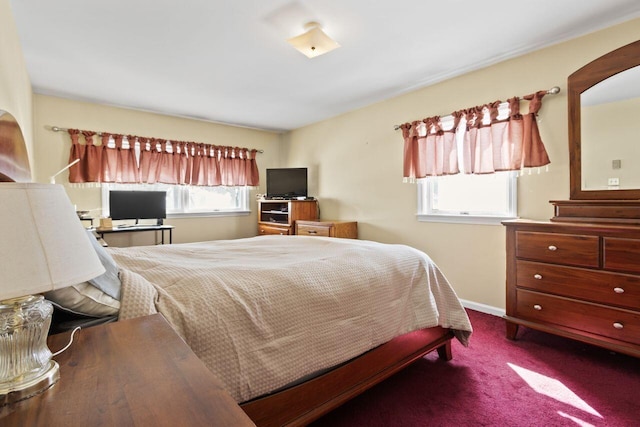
59,129
553,91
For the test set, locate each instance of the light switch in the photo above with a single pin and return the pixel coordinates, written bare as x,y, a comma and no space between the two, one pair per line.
616,164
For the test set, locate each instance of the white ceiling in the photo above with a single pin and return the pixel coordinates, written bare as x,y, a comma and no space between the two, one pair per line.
228,61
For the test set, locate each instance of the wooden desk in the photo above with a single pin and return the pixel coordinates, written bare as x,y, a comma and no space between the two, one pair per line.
137,372
138,228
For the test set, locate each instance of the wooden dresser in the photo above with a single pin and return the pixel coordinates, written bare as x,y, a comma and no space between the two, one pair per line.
577,280
344,229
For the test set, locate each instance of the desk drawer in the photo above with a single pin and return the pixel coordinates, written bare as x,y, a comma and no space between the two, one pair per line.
622,290
622,254
619,324
556,248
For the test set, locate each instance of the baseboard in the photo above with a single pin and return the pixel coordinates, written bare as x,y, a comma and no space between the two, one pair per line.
483,308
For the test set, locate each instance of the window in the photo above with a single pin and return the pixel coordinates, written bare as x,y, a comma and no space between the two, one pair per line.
185,200
478,199
468,198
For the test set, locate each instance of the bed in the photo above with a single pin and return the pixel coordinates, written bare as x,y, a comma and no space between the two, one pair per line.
294,326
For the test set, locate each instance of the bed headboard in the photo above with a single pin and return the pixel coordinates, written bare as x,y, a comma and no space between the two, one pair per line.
14,158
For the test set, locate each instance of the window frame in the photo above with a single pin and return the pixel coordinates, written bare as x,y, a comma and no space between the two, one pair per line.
243,210
427,190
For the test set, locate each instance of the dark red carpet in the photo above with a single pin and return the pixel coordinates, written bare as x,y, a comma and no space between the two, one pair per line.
538,380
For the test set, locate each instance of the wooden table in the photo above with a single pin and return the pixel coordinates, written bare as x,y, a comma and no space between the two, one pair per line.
136,372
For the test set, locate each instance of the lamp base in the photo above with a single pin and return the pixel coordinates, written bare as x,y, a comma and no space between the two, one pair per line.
26,368
27,389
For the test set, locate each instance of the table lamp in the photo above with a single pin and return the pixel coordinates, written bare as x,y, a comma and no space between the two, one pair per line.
43,246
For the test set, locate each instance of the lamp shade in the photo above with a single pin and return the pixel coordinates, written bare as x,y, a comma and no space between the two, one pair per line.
43,245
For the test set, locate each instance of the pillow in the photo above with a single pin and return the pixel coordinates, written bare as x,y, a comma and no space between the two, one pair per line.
108,282
84,299
97,297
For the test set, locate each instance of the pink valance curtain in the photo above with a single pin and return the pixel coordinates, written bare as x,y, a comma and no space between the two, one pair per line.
135,159
478,141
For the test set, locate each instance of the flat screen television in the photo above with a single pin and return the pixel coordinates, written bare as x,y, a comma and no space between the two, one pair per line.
286,183
138,205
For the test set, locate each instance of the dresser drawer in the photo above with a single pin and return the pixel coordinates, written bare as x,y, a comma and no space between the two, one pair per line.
619,324
326,228
556,248
272,229
622,254
598,286
312,230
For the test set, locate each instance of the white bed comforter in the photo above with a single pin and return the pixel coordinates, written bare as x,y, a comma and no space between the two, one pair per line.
263,312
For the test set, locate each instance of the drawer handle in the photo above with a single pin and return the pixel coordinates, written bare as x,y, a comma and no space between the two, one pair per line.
312,232
618,290
537,276
553,248
618,325
537,307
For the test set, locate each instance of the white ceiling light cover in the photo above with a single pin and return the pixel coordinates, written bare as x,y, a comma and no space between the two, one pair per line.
314,42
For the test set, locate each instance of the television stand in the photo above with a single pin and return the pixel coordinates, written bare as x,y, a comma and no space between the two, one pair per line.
279,216
138,228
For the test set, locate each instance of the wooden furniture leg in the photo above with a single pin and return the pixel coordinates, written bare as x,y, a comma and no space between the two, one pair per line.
512,330
444,351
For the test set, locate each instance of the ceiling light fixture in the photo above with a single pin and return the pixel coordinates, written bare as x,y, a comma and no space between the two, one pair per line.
313,42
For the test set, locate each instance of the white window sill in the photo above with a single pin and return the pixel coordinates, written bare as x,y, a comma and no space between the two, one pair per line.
464,219
208,214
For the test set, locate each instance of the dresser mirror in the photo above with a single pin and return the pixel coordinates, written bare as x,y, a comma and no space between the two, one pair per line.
604,127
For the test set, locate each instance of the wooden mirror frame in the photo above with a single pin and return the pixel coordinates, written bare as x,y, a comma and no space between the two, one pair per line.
591,74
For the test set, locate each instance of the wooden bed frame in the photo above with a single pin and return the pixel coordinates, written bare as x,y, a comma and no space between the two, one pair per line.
308,401
301,404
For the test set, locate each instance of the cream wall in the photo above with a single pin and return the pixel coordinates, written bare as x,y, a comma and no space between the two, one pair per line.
15,86
52,153
356,161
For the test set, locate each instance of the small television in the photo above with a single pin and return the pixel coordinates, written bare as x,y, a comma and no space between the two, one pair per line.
138,205
286,183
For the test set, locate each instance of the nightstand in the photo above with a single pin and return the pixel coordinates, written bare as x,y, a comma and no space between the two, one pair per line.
136,372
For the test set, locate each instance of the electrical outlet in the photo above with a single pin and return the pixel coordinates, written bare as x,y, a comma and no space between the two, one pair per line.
613,181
